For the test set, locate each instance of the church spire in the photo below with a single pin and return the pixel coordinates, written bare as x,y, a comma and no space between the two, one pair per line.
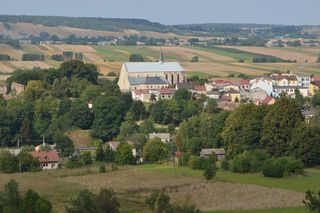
161,57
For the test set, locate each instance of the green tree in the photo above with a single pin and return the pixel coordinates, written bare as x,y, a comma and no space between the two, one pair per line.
86,158
100,155
315,100
212,106
109,155
29,200
299,98
34,90
10,198
80,115
106,201
45,110
124,154
43,206
155,151
138,110
8,162
159,202
108,115
243,128
128,127
304,144
136,58
312,201
91,93
83,202
182,95
63,144
279,125
27,162
209,172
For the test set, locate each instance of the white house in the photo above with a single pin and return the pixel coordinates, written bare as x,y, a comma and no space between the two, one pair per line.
164,137
48,159
263,83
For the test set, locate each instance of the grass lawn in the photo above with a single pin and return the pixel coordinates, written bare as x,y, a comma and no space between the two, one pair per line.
281,210
311,181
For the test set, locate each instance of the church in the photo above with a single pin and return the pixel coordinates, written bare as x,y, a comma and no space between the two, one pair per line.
150,75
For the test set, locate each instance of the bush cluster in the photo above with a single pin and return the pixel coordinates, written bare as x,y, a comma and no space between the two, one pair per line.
278,167
200,163
248,162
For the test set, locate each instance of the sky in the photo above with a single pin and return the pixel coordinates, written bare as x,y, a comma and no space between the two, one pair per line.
290,12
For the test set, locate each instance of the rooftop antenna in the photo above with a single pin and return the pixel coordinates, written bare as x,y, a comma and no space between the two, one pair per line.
161,61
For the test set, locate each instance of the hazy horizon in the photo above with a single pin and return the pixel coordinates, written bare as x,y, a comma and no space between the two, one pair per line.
172,12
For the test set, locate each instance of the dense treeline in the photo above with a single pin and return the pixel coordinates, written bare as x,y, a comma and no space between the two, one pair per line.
273,139
5,57
114,24
107,24
32,57
54,101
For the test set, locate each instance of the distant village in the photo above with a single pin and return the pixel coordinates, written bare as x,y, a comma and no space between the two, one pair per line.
153,81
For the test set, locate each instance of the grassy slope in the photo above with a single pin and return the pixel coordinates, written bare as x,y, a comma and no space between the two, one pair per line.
281,210
311,181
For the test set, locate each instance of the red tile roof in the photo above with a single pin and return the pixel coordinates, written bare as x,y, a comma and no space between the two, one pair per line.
244,82
222,81
46,156
141,91
200,88
267,100
316,78
167,91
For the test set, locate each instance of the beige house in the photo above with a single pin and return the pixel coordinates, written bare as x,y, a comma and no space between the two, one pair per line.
164,137
150,75
3,89
219,152
17,88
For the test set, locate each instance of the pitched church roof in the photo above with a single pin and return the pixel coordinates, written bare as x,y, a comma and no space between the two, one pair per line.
153,67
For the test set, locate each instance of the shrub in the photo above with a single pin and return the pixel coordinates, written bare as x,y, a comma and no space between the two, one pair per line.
291,165
74,162
209,172
102,168
241,163
195,162
184,159
114,167
312,201
249,161
199,163
273,168
86,158
225,164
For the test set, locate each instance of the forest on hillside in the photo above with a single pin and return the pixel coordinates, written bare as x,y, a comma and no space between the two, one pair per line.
119,24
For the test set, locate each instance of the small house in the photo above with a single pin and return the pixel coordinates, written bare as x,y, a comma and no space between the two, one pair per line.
48,159
164,137
219,152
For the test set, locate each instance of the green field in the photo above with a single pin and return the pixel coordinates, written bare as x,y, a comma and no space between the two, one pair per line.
280,210
214,61
133,183
310,181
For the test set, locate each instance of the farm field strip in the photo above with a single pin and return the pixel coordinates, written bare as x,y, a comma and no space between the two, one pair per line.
277,52
220,194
